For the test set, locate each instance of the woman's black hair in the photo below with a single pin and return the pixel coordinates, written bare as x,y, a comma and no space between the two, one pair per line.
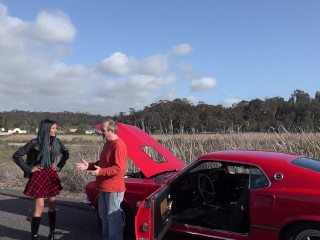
48,146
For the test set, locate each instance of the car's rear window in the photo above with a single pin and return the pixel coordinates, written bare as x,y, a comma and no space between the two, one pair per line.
307,163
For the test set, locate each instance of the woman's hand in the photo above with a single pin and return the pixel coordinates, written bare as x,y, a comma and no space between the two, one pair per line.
54,167
36,168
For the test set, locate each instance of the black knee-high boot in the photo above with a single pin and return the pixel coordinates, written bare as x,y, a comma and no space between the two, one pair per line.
52,224
35,223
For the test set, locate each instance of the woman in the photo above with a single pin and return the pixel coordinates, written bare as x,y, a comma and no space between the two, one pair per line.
46,155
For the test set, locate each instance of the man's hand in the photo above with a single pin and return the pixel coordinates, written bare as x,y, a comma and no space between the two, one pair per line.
95,172
82,165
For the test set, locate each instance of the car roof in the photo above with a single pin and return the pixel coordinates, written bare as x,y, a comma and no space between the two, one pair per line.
254,157
136,140
250,156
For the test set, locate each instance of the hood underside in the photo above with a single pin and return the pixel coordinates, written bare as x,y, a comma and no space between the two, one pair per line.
148,154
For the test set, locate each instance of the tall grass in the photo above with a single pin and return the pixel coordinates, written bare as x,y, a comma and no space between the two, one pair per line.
185,147
189,147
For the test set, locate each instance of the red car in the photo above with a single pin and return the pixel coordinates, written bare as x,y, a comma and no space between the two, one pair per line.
221,195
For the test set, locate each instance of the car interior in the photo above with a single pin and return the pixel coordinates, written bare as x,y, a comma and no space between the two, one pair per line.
215,195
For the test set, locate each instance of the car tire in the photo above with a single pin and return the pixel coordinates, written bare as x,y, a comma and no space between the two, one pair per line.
98,217
128,219
303,231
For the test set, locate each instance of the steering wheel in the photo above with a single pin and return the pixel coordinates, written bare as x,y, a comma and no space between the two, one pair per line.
206,188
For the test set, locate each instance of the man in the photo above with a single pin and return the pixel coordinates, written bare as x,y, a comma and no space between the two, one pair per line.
109,172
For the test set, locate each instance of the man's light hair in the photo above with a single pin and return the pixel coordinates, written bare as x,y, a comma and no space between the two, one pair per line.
112,126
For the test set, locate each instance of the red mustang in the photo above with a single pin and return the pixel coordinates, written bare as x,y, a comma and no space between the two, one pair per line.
221,195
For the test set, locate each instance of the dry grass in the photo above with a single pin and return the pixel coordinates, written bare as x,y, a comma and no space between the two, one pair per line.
189,147
185,147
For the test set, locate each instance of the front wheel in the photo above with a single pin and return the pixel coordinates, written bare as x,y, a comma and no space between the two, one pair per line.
127,218
304,231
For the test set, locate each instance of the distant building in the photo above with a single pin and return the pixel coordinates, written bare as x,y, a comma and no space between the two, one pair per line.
90,132
72,130
15,130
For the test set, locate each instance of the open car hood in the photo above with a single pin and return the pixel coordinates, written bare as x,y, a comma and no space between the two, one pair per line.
140,145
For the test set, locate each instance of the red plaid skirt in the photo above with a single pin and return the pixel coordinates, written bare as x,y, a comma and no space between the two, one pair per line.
43,183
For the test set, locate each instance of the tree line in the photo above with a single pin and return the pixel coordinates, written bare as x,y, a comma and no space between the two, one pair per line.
300,112
66,120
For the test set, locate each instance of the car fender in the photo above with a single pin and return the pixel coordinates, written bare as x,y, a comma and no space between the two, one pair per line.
301,218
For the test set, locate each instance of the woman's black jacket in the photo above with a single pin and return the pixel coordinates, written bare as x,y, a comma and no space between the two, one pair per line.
31,149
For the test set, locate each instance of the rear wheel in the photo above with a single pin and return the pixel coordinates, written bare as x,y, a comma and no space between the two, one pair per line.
304,231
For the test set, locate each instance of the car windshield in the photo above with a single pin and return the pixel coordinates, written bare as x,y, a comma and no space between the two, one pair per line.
307,163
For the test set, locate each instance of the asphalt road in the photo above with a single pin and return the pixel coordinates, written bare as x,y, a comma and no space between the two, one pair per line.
75,220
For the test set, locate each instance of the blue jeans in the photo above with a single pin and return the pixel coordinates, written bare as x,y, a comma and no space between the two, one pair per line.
110,214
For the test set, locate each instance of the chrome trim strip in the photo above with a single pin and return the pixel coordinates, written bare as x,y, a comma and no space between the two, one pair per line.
211,236
205,235
266,227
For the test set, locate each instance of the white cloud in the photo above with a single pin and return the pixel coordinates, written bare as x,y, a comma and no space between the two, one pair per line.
150,82
116,64
193,100
53,27
203,84
9,36
157,64
134,88
119,64
186,67
22,37
230,102
181,49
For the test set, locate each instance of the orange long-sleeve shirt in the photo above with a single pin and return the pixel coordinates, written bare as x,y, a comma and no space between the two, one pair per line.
112,163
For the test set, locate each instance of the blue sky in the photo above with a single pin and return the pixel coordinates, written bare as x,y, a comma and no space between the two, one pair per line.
105,57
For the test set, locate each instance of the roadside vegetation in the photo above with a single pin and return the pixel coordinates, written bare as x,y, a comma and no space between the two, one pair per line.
186,147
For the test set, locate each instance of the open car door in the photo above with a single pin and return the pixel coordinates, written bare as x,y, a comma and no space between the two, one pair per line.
154,216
